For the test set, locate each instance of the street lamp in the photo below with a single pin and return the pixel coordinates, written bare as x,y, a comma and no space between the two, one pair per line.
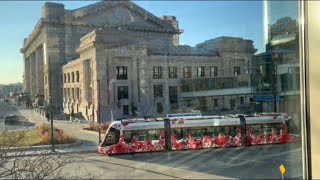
50,106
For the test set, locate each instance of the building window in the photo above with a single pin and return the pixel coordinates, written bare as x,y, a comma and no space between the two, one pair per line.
241,100
78,93
157,72
72,76
187,72
157,89
213,71
122,92
64,93
159,107
173,73
189,103
72,91
45,79
173,96
77,76
125,110
185,88
122,72
236,70
68,93
215,102
68,77
200,71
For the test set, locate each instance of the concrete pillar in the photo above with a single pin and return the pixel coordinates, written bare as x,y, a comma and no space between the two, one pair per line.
39,71
32,76
26,75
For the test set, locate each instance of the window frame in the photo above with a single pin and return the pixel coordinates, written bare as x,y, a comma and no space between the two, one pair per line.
123,92
122,72
187,72
201,71
213,71
157,72
172,72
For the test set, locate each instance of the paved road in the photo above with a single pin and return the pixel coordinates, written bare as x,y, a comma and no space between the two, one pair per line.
7,109
256,162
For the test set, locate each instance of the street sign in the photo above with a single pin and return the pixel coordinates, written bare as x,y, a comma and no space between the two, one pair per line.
279,98
282,169
267,98
263,98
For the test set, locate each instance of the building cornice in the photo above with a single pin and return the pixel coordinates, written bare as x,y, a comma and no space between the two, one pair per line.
131,6
86,47
33,35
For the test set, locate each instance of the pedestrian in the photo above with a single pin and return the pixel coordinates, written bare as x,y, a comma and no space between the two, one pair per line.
47,115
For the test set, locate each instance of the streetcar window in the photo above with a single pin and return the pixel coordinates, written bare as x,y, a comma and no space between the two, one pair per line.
112,137
198,133
127,135
267,128
142,134
255,128
227,130
217,130
154,134
232,131
184,133
178,133
210,131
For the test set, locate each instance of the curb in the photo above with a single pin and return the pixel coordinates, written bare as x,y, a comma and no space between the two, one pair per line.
45,147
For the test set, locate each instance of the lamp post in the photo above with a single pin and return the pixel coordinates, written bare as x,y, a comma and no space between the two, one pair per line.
98,83
50,106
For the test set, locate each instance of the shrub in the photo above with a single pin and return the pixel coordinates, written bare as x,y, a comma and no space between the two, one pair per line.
59,136
43,128
95,127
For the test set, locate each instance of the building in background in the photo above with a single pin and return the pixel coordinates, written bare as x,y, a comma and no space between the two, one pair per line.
129,77
57,35
277,74
10,89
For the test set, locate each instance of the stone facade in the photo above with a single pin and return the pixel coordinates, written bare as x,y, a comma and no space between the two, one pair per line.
57,35
136,78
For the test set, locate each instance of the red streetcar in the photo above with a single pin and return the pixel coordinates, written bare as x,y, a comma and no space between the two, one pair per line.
129,136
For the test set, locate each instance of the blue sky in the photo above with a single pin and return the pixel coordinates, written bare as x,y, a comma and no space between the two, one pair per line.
200,20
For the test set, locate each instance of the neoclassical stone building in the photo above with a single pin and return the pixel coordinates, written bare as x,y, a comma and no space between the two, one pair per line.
116,60
130,77
56,37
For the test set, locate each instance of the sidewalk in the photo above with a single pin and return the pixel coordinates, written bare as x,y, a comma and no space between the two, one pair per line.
88,141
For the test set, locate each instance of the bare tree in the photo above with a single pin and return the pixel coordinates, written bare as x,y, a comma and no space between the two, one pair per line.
15,163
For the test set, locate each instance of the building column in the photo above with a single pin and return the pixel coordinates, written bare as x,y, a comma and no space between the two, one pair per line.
39,71
32,76
26,78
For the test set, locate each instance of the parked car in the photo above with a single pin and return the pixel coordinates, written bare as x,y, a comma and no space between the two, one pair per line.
11,119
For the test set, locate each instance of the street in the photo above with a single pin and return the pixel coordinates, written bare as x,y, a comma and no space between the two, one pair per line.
256,162
8,109
240,163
